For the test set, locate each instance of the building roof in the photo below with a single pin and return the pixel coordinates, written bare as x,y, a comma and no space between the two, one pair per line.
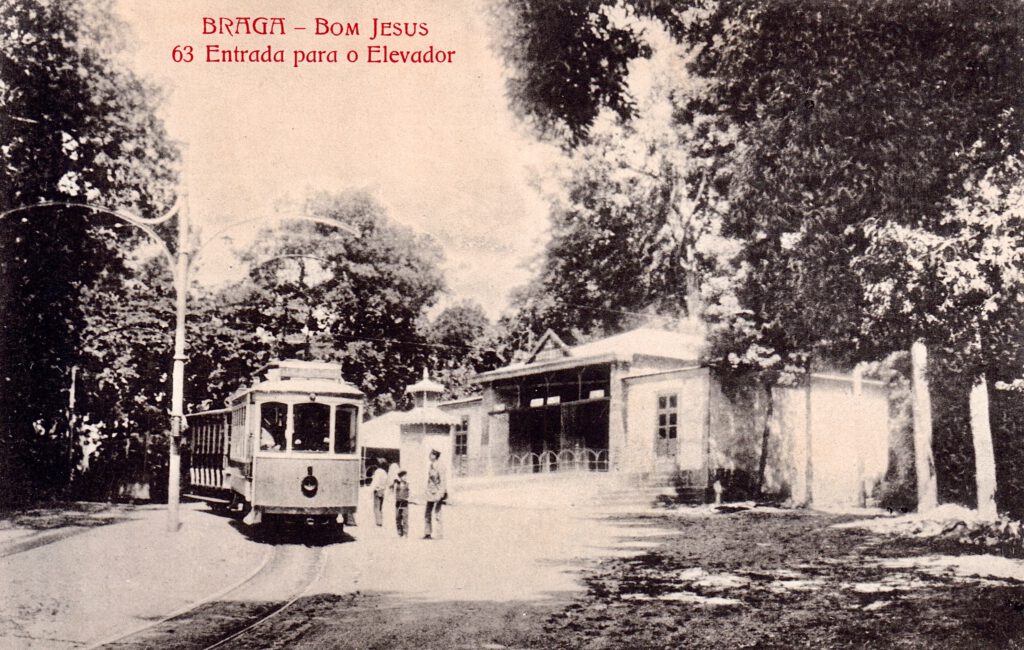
461,400
625,347
385,430
382,431
549,342
646,342
318,386
425,385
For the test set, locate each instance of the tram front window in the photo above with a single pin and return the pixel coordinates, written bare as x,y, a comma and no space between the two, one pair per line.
273,422
312,427
345,429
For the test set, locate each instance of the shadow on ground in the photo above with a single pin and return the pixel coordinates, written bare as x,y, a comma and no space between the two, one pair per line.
79,514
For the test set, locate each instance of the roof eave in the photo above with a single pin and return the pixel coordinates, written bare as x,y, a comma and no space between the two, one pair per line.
548,366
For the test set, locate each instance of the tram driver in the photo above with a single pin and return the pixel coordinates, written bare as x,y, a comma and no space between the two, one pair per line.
269,440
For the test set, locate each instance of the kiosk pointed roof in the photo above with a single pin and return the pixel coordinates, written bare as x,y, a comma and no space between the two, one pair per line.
425,385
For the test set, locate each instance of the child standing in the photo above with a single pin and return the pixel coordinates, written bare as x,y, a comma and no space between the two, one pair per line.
402,504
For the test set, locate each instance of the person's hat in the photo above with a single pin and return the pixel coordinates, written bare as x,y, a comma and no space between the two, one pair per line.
402,472
434,452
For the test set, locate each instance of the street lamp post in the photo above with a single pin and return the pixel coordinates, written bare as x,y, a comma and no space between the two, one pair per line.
179,263
178,369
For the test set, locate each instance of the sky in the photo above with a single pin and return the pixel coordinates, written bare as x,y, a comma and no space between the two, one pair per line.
436,144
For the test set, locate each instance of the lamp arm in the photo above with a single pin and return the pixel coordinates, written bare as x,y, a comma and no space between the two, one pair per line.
142,224
300,217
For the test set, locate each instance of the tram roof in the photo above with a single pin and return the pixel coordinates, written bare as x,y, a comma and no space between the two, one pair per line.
303,377
304,385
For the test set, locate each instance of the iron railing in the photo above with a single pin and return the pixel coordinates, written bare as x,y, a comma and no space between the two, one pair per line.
580,459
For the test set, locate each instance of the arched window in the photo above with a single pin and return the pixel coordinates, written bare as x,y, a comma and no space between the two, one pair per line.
312,427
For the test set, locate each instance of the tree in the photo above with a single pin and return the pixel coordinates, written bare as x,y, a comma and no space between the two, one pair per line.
76,127
845,116
463,342
634,216
962,291
568,61
317,292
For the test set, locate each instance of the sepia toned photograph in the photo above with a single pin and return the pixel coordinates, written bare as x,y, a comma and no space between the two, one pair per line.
487,324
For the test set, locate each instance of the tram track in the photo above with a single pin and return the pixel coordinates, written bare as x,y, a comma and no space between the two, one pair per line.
316,574
287,574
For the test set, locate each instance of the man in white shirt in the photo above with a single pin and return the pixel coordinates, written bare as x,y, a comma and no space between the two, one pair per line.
379,485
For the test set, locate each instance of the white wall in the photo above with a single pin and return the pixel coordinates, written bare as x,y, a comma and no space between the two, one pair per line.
691,388
477,453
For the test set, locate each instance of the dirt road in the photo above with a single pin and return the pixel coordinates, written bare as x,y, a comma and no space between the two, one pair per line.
503,564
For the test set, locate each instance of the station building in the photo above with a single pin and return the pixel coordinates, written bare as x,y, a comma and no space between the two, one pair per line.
642,406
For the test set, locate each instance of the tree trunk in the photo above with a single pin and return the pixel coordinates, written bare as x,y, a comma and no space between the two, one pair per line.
927,488
984,456
808,495
765,436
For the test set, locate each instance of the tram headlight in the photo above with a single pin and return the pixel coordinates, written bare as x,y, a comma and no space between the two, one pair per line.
309,486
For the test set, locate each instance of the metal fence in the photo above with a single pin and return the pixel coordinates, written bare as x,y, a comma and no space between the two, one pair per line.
567,460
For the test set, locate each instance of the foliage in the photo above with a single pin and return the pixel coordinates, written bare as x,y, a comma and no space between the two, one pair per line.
847,119
635,217
963,285
841,112
76,127
568,61
463,343
317,292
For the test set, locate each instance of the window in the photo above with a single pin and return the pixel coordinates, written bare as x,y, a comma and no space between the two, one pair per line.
238,437
312,427
668,416
462,437
273,422
345,429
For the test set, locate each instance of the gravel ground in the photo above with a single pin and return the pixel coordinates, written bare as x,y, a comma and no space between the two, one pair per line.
784,580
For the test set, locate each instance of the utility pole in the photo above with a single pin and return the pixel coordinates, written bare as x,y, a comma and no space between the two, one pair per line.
178,371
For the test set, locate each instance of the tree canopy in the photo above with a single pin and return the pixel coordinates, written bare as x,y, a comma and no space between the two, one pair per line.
318,292
76,126
864,153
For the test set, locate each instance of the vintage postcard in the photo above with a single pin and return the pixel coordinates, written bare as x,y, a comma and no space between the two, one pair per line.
511,324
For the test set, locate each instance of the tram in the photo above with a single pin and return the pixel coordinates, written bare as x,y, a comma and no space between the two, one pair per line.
284,447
